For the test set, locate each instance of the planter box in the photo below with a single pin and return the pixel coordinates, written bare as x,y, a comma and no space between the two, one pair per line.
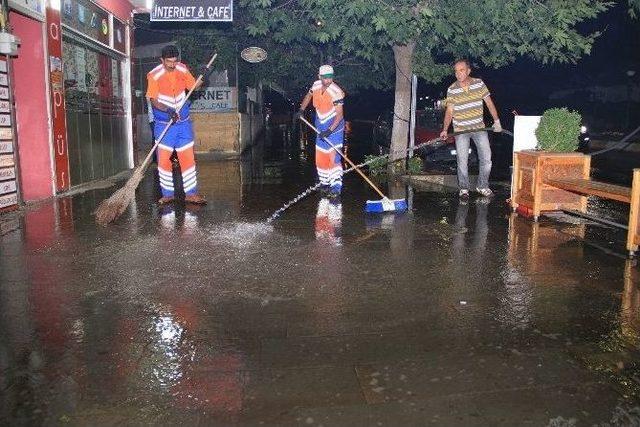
530,171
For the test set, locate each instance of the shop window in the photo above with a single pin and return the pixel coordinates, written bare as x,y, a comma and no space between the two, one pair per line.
96,120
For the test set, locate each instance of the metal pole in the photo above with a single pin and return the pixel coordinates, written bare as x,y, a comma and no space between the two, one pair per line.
595,219
237,80
412,120
238,114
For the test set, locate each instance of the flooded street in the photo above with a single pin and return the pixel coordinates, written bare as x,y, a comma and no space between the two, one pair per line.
452,313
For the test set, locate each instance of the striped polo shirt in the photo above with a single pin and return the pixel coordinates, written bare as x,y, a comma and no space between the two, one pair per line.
467,104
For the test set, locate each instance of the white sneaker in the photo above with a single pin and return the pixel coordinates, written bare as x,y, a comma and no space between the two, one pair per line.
463,193
486,192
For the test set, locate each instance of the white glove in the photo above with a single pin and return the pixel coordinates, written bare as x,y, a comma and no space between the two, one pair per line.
497,127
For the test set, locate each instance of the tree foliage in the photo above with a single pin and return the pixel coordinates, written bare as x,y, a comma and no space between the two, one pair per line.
356,36
634,8
493,32
290,65
371,41
423,36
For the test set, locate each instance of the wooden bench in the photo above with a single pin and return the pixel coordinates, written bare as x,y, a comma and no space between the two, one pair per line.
620,193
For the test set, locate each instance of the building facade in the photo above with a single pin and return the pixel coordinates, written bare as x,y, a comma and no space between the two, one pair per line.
69,96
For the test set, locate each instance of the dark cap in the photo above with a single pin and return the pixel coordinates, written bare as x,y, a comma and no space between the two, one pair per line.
170,51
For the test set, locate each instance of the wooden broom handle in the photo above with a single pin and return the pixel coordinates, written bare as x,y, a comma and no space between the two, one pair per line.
166,128
365,177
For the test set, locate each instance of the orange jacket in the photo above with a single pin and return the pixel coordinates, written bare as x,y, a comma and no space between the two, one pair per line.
169,87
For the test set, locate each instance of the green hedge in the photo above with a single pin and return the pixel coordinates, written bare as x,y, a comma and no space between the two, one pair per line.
559,130
379,165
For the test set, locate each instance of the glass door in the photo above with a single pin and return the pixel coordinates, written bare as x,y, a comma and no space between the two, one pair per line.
96,119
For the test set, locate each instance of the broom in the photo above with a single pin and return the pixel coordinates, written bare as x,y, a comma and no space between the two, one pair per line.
114,206
383,205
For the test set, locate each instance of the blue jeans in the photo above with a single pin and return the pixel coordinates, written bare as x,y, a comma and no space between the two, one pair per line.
481,139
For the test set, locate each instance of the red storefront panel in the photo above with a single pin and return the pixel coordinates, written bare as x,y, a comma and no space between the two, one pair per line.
54,42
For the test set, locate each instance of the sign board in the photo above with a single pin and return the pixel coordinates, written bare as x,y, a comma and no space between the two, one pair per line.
86,18
56,92
6,133
192,10
8,183
214,100
8,200
524,137
524,132
253,54
5,119
32,8
6,147
119,36
6,160
7,173
7,187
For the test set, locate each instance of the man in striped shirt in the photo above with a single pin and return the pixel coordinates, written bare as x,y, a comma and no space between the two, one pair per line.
465,107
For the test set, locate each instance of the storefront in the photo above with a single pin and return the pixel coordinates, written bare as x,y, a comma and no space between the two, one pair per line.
72,89
96,84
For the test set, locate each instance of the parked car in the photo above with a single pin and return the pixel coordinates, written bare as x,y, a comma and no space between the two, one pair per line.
428,126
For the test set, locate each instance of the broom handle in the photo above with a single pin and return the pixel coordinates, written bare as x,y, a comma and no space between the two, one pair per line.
365,177
166,128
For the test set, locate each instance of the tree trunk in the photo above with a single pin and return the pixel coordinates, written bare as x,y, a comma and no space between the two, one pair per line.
403,55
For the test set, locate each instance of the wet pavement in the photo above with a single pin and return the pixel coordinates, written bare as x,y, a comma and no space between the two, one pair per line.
451,314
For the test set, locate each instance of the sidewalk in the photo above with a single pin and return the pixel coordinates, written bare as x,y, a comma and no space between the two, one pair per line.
452,314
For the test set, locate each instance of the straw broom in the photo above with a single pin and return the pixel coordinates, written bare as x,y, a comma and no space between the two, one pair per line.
114,206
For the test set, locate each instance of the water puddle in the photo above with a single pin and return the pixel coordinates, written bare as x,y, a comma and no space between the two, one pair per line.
240,235
369,161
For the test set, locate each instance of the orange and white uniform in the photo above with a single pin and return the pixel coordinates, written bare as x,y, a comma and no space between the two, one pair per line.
170,89
328,224
328,162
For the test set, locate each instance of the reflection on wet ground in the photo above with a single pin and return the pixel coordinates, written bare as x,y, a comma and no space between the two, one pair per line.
453,313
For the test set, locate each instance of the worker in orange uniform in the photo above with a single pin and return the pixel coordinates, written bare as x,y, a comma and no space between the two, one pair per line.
328,100
167,85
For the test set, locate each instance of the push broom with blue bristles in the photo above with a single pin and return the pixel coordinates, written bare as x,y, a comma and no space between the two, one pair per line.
375,206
